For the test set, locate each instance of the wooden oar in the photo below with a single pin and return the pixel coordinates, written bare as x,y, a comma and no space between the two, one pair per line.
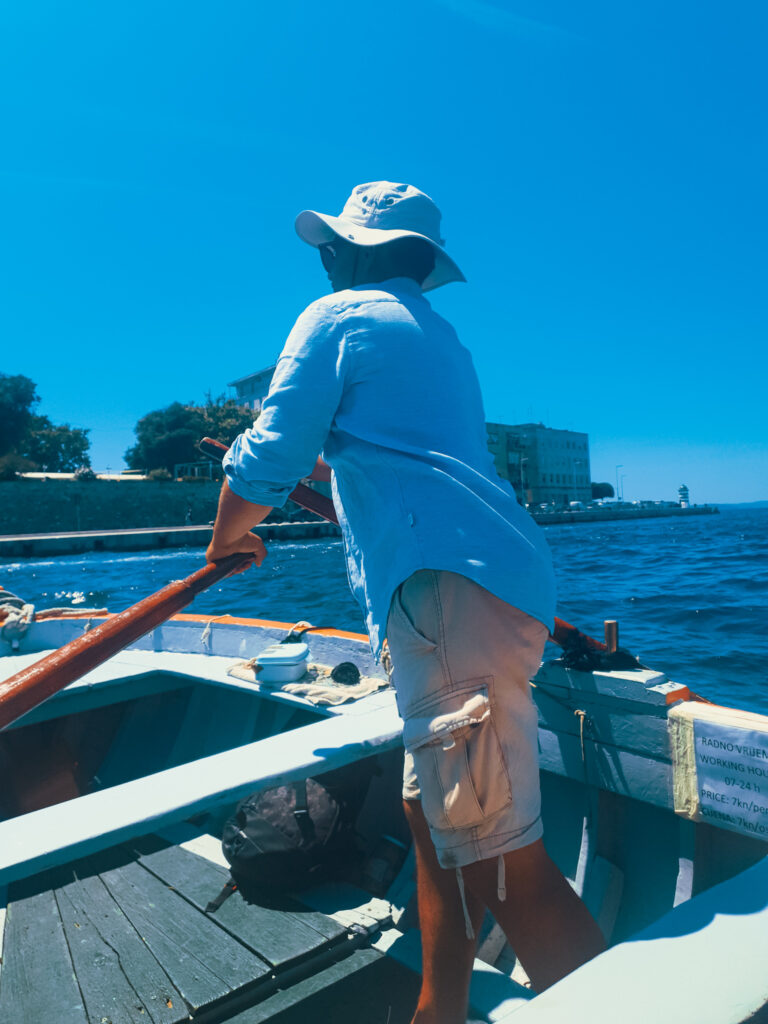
566,635
33,685
311,500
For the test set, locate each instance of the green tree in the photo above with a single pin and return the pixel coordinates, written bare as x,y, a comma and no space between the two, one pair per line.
55,448
602,491
34,441
167,437
225,419
17,397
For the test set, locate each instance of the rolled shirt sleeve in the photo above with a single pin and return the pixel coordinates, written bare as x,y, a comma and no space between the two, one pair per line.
265,463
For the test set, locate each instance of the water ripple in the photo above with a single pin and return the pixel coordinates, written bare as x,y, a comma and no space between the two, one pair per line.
691,595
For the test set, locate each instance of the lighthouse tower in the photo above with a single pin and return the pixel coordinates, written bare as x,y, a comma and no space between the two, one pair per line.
685,501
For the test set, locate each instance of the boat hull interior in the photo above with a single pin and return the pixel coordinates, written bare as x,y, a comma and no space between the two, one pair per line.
153,751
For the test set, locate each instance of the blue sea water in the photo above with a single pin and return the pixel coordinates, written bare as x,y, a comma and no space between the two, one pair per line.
690,594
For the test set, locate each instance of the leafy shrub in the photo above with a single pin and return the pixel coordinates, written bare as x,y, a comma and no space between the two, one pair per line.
12,466
161,473
601,491
84,473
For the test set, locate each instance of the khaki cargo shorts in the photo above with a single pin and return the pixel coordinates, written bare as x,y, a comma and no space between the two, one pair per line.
462,659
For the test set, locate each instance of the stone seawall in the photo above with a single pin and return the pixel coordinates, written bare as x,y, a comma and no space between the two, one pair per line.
58,506
30,545
138,514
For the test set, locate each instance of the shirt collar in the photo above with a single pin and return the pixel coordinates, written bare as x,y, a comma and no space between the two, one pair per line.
394,285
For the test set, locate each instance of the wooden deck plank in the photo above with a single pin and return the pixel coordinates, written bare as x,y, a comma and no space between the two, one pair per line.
309,917
118,976
279,936
33,987
365,987
107,993
202,960
350,906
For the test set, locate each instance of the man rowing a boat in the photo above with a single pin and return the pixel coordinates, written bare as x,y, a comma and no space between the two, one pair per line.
445,564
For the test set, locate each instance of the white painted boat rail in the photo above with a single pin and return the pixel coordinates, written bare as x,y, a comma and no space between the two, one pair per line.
54,835
702,963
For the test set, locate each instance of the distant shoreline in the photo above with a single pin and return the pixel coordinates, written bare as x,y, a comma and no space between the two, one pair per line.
608,514
149,538
742,504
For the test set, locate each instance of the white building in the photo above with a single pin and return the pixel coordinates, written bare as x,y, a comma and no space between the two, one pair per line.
542,464
252,390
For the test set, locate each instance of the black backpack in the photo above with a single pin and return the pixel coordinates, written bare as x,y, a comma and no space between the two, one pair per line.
288,838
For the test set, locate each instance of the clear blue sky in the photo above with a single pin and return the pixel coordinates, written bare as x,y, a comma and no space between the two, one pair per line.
601,168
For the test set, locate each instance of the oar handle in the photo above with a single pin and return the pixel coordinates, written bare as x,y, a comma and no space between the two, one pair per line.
33,685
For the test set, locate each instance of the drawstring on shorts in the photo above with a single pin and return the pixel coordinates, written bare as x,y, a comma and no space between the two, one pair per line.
468,923
501,893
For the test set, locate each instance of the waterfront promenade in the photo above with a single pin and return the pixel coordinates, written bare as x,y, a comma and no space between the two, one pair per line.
30,545
606,513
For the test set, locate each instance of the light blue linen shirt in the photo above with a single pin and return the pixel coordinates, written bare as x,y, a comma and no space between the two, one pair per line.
374,378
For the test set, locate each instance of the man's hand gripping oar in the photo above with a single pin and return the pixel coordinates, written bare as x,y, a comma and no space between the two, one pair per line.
232,530
236,517
32,685
229,553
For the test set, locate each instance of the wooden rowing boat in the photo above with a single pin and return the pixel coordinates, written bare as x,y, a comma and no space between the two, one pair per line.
655,806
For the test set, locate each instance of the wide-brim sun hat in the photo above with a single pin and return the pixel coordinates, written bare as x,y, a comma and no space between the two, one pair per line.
380,212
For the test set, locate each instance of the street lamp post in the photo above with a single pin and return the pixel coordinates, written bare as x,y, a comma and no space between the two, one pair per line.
620,466
622,485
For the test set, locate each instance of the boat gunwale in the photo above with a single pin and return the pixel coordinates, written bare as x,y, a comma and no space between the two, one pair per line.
224,620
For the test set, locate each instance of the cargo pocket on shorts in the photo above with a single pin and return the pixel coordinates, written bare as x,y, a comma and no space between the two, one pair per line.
460,767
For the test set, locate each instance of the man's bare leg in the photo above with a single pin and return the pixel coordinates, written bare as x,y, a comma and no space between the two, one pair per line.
447,953
547,925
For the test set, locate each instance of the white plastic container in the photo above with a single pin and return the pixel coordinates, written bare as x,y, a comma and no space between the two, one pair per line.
282,663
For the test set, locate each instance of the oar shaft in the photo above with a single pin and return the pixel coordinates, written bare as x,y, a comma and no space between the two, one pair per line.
311,500
564,635
315,502
33,685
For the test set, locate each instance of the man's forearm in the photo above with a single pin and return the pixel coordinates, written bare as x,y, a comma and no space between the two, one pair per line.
235,517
